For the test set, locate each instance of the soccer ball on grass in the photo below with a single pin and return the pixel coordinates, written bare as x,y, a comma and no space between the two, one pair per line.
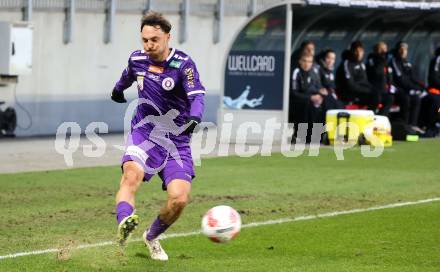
221,224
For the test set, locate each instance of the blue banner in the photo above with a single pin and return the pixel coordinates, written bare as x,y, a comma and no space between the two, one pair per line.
254,80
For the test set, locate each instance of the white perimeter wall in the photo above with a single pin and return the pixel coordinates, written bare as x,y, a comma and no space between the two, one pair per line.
72,82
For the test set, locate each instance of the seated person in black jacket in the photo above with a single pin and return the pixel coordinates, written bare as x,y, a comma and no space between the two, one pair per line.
305,98
434,71
305,47
352,81
380,76
326,61
431,103
409,89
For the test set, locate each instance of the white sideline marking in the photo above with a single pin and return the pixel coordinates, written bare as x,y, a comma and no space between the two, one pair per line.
250,225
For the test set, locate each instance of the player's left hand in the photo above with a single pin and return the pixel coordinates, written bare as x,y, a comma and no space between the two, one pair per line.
118,97
191,124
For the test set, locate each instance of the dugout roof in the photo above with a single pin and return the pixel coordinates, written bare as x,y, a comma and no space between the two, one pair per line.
274,33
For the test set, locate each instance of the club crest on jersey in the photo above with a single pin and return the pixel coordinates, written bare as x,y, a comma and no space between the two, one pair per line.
168,84
155,69
140,82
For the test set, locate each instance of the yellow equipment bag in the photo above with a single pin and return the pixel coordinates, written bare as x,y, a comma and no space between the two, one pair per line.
358,126
348,126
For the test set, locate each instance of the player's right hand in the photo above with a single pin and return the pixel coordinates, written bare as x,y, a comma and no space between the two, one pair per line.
191,124
118,97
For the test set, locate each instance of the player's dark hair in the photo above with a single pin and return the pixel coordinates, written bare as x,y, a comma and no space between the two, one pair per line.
397,47
377,46
305,43
401,44
355,45
325,52
156,19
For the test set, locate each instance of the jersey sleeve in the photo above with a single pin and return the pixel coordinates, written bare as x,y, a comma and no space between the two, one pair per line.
127,78
193,89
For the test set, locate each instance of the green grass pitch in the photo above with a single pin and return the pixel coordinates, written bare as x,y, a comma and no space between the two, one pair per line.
64,209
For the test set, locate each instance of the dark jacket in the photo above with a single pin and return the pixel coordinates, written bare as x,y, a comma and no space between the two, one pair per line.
304,84
327,78
434,73
403,75
351,79
378,72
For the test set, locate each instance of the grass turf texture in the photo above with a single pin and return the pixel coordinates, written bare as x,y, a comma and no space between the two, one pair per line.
66,208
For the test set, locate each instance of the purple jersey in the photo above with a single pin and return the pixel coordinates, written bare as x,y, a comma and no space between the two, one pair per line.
171,84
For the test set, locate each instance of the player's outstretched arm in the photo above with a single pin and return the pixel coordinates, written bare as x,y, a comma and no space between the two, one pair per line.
123,83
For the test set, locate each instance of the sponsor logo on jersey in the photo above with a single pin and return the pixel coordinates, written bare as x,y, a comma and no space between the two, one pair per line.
179,57
168,84
140,82
189,73
155,69
153,77
175,64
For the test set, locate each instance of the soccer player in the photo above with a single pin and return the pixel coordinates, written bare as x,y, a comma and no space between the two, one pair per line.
431,103
380,76
306,47
171,105
410,89
352,81
306,96
326,60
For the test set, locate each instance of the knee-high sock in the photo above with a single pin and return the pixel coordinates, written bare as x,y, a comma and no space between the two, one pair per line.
157,228
123,209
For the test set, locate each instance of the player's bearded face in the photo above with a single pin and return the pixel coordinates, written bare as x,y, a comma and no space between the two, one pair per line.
155,42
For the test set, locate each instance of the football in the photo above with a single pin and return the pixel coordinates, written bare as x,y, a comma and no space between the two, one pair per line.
221,224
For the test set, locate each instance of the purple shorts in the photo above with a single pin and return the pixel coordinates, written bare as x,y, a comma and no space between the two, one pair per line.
171,162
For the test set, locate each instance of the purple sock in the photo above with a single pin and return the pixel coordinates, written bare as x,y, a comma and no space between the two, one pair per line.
157,228
123,209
